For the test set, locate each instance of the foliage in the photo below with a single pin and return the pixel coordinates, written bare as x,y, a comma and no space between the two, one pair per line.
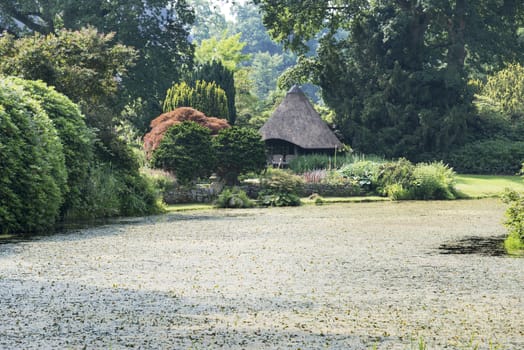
209,21
233,198
203,96
280,188
264,73
163,122
395,179
75,136
496,156
364,172
238,150
396,72
85,66
80,64
185,150
110,192
270,199
433,181
226,49
515,219
33,176
402,179
503,94
224,78
157,29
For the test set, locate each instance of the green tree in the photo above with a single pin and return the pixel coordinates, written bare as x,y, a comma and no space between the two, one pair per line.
215,72
33,177
503,93
396,72
157,29
226,49
209,21
238,150
203,96
264,73
186,150
83,65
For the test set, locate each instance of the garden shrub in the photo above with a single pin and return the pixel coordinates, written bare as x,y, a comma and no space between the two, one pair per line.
395,178
364,173
433,181
186,150
33,176
514,220
280,188
75,136
501,156
233,198
238,150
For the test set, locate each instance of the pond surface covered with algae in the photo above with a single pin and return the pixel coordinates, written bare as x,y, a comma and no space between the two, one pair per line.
344,276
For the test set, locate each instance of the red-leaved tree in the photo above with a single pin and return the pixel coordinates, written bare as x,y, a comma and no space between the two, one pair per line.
160,124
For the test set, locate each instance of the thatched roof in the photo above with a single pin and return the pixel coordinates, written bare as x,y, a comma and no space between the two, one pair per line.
296,121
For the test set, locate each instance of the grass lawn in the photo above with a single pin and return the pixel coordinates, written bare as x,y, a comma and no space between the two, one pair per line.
482,186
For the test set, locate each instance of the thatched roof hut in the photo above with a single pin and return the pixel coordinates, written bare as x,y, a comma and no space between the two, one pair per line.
296,128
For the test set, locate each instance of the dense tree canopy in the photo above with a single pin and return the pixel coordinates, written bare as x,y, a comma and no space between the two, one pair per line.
157,29
396,72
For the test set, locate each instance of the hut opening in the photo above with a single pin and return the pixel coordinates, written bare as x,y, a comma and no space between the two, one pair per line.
295,128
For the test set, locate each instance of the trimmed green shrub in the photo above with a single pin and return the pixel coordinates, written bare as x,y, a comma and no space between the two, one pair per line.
185,150
233,198
204,96
75,136
499,156
238,150
33,177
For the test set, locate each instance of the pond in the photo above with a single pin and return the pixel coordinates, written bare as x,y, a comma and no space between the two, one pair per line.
360,276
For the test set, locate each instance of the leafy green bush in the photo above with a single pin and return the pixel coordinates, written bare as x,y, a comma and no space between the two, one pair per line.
499,156
279,199
281,181
515,219
280,188
186,150
433,181
77,139
364,173
233,198
395,178
238,150
33,177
